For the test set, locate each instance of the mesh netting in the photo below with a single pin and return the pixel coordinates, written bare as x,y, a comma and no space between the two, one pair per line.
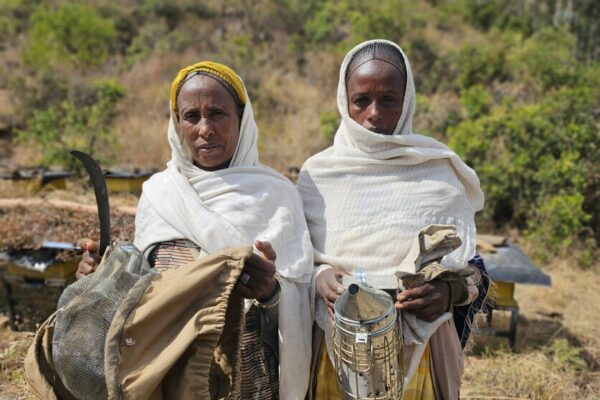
85,312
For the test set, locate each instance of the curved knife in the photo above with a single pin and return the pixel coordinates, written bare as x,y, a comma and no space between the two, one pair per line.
99,184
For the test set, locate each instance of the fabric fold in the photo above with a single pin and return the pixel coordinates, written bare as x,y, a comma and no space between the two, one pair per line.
176,327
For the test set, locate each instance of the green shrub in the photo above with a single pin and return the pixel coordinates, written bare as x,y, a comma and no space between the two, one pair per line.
69,125
170,11
503,14
476,100
73,33
423,58
538,165
330,121
568,357
14,15
243,49
39,89
324,26
145,42
479,64
554,223
382,19
546,59
177,40
127,28
200,10
527,17
8,27
291,15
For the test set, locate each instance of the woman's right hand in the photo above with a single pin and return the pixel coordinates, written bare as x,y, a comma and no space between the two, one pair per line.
329,286
90,258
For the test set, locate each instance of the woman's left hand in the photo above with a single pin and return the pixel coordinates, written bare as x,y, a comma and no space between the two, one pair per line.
257,280
427,301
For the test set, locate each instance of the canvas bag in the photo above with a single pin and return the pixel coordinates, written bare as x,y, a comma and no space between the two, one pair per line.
128,332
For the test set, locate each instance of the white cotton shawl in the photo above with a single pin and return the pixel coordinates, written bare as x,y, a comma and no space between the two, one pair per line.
235,206
367,196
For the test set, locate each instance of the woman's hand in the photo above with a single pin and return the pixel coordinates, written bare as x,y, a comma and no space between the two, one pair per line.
257,280
427,301
329,288
90,258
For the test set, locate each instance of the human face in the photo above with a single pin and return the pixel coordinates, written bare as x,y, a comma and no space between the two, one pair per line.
376,96
209,122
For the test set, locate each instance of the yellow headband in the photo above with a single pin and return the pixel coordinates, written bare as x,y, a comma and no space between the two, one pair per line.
212,68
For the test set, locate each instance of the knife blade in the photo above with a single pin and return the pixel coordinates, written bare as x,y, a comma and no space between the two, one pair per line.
99,184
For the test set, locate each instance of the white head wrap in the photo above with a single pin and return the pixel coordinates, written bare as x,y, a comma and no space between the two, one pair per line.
236,206
366,197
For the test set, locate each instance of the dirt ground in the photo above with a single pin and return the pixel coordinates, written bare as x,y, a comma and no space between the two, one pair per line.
557,354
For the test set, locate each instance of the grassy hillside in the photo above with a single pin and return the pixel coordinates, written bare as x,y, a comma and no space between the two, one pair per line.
512,86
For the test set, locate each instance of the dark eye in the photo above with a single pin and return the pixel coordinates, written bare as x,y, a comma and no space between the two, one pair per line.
217,113
389,100
361,101
191,116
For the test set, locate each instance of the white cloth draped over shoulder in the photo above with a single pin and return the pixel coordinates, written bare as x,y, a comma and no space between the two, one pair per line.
367,196
236,206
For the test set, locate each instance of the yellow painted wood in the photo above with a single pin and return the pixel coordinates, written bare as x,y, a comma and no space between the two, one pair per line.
133,185
61,271
21,187
55,184
503,294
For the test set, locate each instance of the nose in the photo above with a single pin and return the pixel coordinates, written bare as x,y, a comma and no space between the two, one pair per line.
205,128
374,113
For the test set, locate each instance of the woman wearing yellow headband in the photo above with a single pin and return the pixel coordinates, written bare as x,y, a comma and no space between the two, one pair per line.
207,101
213,195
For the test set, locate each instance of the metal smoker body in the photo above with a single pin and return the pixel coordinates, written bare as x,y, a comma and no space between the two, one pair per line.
367,344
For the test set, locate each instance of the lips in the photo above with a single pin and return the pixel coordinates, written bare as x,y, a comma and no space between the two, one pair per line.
379,130
207,147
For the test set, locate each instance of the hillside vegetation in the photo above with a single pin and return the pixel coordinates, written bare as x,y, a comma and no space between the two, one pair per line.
512,86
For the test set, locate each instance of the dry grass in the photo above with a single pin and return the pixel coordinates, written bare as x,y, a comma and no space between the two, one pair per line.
518,376
432,115
25,156
557,354
144,114
446,36
13,347
290,131
284,104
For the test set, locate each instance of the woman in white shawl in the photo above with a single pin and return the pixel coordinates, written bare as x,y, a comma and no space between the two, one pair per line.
366,198
215,194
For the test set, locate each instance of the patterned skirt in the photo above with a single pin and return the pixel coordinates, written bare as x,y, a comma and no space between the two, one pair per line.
420,387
